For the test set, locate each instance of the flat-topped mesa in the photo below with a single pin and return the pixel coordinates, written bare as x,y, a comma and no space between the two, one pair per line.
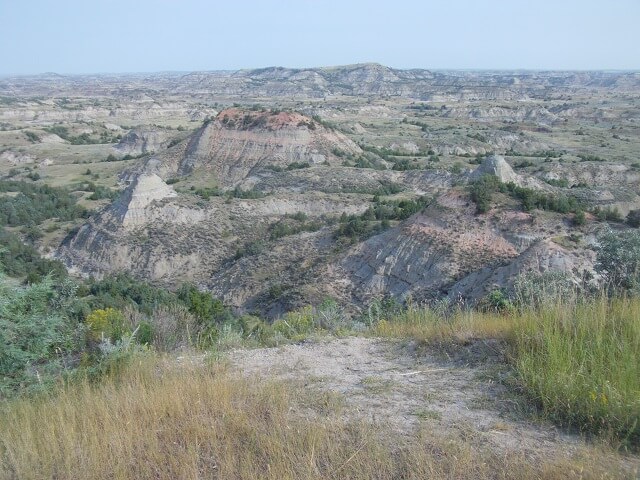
144,189
240,119
238,143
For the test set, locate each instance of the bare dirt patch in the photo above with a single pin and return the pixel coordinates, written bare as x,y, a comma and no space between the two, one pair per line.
396,385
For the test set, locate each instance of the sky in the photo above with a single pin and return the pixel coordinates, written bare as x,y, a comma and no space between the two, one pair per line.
115,36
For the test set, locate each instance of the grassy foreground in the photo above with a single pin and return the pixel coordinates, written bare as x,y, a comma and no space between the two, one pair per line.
155,419
582,366
168,422
580,363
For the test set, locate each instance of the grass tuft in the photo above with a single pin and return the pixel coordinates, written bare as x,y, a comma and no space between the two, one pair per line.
578,362
162,421
581,365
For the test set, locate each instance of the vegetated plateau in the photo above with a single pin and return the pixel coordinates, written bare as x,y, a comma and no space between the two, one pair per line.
349,272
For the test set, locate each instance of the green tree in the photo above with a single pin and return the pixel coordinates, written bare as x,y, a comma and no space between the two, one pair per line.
482,191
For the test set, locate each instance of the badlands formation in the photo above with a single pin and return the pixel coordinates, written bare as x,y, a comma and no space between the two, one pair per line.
276,188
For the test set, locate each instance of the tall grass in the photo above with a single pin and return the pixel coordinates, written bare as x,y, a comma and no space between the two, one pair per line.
424,324
581,364
159,422
578,361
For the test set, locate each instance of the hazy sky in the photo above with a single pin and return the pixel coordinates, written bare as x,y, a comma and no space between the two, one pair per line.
86,36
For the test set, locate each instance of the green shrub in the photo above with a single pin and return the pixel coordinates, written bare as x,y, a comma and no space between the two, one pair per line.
205,307
144,333
561,182
607,214
36,334
247,194
297,166
532,199
590,158
482,191
579,218
36,203
20,260
536,289
32,137
618,260
122,291
99,192
404,164
292,225
251,325
249,249
497,300
382,309
106,323
633,218
208,192
330,316
295,325
376,218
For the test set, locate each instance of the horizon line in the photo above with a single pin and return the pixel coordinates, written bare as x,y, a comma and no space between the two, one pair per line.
359,64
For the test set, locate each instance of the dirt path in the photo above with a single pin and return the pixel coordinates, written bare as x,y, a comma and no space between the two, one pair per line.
393,384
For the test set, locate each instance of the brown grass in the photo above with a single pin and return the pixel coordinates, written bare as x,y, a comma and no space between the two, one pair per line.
158,421
426,325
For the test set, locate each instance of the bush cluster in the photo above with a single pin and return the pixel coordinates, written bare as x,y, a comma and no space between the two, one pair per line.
37,336
292,225
23,261
377,217
482,191
34,204
83,138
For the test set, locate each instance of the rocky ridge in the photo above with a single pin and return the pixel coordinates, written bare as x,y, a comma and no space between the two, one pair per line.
140,141
357,80
237,143
224,245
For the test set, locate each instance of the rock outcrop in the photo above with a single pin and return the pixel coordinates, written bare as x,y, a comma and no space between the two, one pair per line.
130,208
239,142
281,249
142,140
16,158
448,251
543,255
496,166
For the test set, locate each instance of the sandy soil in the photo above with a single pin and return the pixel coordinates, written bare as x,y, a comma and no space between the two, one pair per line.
405,388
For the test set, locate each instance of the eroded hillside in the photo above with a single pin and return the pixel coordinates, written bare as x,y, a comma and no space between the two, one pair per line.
276,188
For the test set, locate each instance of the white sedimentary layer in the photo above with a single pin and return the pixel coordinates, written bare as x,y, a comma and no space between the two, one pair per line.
144,190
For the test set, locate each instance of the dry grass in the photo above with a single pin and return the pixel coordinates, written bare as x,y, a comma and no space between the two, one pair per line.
159,421
429,326
579,362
